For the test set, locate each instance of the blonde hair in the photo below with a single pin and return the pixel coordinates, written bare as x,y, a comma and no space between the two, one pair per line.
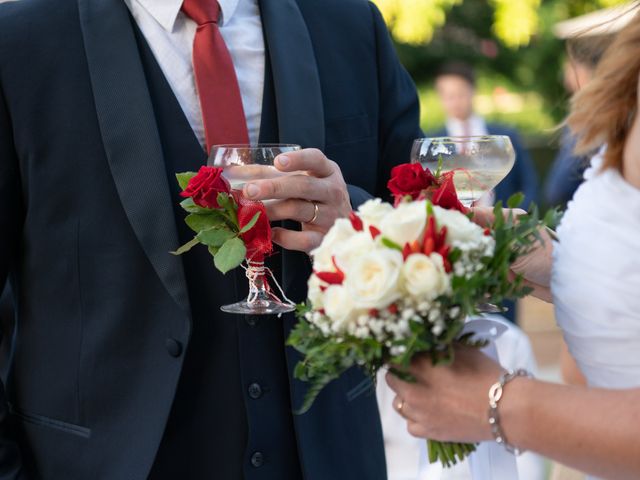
603,111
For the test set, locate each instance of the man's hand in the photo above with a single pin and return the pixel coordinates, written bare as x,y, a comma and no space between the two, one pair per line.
315,197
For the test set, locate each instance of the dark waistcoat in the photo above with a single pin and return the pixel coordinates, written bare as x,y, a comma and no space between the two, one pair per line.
231,416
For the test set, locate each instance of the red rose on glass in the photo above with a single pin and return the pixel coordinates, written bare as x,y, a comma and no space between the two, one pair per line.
205,187
410,179
445,195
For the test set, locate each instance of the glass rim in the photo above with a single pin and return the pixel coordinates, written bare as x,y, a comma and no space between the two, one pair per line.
259,146
461,139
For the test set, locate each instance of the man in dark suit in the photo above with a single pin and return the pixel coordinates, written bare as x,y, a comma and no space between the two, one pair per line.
455,84
122,367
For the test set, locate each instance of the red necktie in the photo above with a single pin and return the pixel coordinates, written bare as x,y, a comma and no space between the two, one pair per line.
220,99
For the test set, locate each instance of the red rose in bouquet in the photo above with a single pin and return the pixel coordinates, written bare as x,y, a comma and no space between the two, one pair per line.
445,195
410,179
205,187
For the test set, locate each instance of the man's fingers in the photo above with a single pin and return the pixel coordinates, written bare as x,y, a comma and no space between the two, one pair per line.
291,186
308,160
302,211
304,241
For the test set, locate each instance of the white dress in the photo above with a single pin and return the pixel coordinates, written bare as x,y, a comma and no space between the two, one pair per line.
596,279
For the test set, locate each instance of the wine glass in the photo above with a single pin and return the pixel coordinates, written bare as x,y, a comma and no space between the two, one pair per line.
242,164
479,163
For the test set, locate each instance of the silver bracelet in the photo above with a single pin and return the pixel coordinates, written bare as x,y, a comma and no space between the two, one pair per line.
495,394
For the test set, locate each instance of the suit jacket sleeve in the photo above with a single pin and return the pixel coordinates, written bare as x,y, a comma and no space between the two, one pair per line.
10,221
399,117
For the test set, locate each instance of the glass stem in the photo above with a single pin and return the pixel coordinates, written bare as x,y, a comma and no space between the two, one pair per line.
258,287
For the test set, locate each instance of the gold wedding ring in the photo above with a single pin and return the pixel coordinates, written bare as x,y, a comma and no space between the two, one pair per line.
315,213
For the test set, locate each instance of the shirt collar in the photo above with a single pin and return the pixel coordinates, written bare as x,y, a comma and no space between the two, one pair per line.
166,12
475,124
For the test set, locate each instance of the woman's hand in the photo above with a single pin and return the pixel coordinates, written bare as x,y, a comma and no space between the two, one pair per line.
448,403
535,267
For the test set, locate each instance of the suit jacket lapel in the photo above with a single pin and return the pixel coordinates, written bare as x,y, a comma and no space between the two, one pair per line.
130,136
295,74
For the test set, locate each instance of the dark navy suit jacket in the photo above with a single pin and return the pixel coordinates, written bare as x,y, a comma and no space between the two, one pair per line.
87,223
523,177
566,173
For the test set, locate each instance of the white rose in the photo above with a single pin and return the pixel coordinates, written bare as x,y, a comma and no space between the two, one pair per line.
424,276
339,307
352,248
315,293
373,211
406,223
336,236
459,228
373,278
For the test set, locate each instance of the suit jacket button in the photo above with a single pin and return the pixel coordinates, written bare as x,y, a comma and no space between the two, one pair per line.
252,320
173,346
257,459
255,391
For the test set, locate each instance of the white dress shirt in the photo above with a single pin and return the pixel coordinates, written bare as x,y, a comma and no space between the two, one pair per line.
170,34
475,126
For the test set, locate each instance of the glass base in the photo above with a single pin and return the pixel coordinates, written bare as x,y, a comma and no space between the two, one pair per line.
490,308
261,300
258,307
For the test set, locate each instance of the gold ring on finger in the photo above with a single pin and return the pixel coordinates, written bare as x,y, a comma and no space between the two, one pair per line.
316,210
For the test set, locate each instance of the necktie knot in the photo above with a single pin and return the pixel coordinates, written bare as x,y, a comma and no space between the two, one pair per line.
202,11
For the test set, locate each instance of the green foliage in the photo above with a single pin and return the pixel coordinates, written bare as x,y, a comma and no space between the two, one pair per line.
186,247
190,207
183,179
251,223
231,254
215,237
204,221
391,244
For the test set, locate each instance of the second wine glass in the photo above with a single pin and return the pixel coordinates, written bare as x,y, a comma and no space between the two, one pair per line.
479,163
242,164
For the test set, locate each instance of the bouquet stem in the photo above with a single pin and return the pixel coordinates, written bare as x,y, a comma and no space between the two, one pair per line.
449,453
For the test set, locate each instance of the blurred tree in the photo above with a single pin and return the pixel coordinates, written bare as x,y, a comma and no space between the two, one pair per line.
414,21
514,21
510,42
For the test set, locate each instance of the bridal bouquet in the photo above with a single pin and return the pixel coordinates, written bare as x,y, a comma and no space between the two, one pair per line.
393,282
